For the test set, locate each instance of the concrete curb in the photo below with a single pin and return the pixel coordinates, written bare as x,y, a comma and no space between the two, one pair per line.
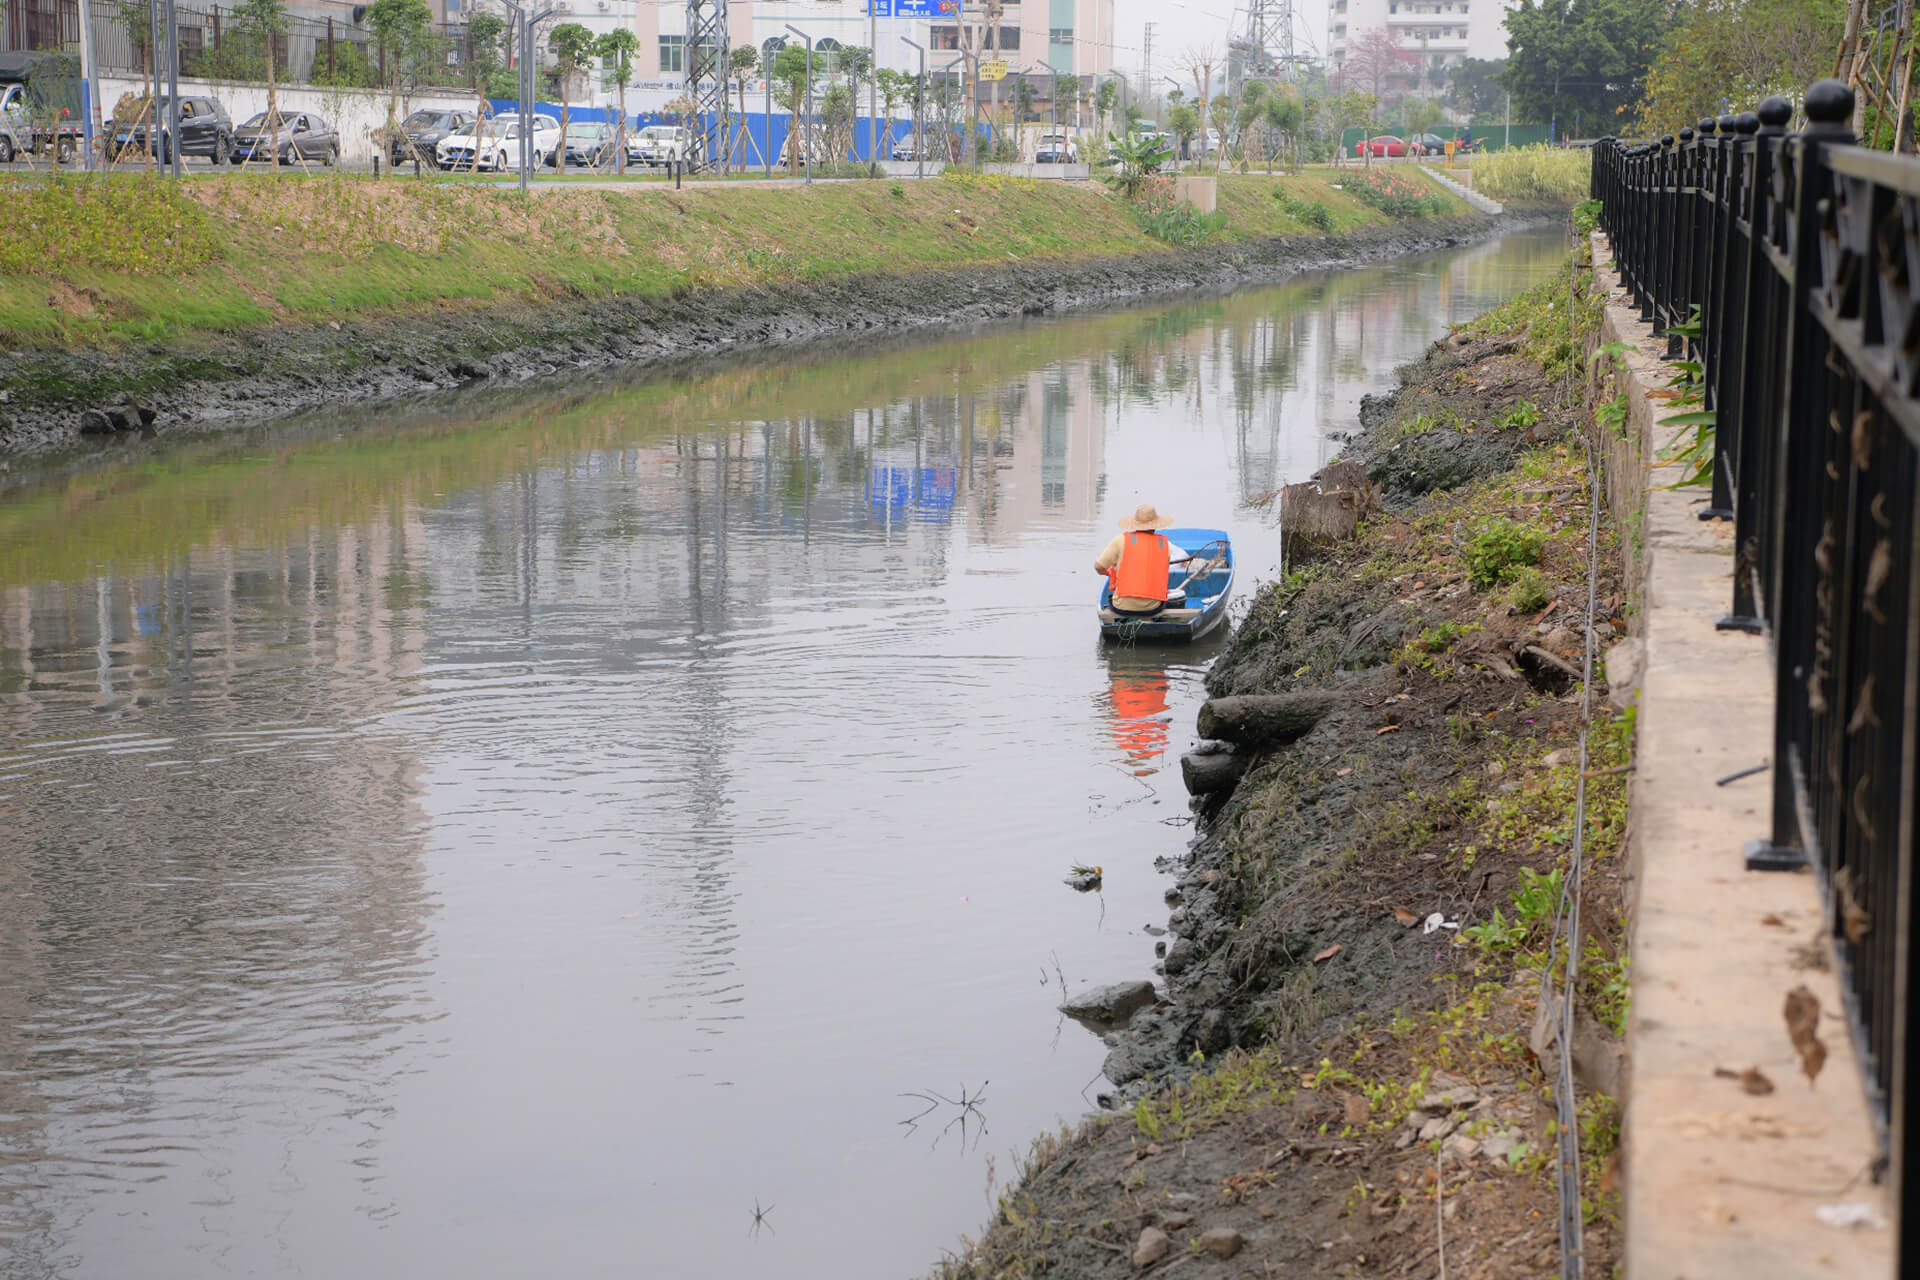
1486,204
1719,1182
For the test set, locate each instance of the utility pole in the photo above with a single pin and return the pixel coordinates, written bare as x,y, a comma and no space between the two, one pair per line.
173,91
1146,84
89,87
993,46
1507,141
873,88
919,106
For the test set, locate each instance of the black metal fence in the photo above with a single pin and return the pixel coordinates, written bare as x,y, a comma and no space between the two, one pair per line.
1800,253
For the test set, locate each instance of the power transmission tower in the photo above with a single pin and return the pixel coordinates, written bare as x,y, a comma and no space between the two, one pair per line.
707,57
1264,48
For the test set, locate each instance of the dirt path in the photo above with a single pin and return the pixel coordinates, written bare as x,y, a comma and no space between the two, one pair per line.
1344,1069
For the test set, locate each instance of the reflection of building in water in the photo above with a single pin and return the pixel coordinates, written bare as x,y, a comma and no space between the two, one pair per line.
211,898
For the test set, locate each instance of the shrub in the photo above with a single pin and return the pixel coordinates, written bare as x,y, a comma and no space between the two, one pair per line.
1499,547
1537,174
1174,221
1398,195
1311,212
1528,590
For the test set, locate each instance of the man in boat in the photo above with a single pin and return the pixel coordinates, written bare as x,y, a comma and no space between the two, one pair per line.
1137,561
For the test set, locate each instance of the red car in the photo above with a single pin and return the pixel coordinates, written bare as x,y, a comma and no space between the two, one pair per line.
1382,144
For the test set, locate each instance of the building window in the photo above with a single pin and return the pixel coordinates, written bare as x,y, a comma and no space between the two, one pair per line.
1009,38
673,54
944,37
1340,29
1060,35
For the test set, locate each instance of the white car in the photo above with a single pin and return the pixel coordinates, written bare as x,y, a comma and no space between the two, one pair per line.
1056,148
657,144
495,144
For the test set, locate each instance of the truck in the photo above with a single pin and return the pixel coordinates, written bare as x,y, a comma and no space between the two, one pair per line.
40,105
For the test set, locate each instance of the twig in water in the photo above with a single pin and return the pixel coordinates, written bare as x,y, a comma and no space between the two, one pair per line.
760,1218
968,1105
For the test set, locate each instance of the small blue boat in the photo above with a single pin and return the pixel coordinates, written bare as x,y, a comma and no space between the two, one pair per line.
1197,592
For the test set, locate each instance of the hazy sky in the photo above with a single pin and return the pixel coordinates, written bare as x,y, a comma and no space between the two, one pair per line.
1181,24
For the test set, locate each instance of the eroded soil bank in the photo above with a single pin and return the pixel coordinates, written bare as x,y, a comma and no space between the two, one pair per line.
53,399
1345,1065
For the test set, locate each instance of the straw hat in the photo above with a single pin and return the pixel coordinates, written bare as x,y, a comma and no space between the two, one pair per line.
1144,517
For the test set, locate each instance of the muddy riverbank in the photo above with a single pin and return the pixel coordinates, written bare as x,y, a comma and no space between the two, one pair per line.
1345,1056
55,398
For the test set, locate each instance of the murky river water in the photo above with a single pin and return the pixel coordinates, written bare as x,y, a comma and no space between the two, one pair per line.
521,840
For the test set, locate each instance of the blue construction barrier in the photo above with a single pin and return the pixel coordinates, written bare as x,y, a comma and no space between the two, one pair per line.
760,134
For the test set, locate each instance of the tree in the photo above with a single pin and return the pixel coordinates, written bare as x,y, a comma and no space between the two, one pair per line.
855,61
1376,60
266,21
1199,62
399,27
1578,61
1183,122
1474,89
1284,113
1135,159
742,61
1105,99
1726,55
1024,97
1220,113
893,86
572,45
1345,110
789,76
616,49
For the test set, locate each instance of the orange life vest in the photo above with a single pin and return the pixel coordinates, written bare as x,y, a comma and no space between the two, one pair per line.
1142,571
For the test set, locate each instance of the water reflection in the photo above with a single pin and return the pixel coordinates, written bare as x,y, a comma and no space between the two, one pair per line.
539,825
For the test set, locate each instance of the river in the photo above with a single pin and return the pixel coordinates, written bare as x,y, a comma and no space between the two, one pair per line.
530,833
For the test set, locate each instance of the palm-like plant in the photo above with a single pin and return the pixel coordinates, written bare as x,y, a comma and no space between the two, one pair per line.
1134,158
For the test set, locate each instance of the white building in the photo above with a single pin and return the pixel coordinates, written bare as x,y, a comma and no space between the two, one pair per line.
1443,33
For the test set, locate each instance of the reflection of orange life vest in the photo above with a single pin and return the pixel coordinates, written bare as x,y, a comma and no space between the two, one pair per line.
1142,571
1137,702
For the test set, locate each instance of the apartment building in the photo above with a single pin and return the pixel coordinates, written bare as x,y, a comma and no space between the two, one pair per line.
1443,33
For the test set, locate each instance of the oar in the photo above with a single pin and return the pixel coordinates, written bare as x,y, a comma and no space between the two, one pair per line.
1207,566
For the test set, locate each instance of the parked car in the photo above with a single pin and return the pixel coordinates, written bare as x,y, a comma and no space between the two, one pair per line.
1381,145
16,135
291,138
1056,148
589,145
205,131
657,144
495,144
423,131
906,149
1432,144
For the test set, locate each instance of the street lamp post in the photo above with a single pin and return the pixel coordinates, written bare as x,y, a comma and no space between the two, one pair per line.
1182,89
919,103
806,137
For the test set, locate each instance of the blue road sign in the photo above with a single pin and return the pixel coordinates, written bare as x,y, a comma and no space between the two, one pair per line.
914,8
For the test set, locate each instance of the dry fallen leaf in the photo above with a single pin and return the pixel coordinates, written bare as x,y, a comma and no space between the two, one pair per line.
1328,954
1803,1028
1341,773
1357,1110
1752,1079
1392,728
1854,920
1406,918
1774,920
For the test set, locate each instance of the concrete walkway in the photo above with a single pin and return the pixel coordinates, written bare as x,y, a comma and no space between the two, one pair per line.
1719,1181
1486,204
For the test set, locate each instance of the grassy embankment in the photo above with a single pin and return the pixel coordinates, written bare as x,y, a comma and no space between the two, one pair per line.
134,259
1534,175
1449,788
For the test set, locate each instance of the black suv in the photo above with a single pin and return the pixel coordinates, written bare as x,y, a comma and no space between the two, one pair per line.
423,131
205,131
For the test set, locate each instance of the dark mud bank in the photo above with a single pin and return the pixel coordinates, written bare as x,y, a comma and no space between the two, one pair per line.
1240,966
55,399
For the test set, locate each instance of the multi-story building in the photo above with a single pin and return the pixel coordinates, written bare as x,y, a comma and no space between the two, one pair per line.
1043,38
1441,33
